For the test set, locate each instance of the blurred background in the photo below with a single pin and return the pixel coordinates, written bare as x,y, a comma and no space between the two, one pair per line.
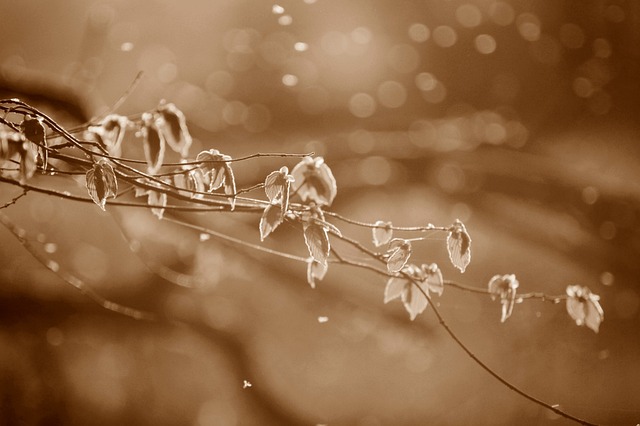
518,117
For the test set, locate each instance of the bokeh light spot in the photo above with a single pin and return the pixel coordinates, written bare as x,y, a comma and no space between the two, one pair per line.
590,195
285,20
614,13
375,170
501,13
361,35
289,80
301,46
607,278
468,15
419,32
362,105
234,112
445,36
485,44
425,81
601,48
528,26
392,94
582,87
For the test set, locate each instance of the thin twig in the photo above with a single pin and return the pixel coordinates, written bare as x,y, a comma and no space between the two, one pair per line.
15,199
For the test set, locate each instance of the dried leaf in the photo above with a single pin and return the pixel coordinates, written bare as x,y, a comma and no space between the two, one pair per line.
33,129
191,180
414,300
216,169
504,286
411,290
110,132
382,233
271,218
315,271
434,279
317,241
153,143
459,245
398,254
277,186
101,183
584,307
394,289
314,181
173,125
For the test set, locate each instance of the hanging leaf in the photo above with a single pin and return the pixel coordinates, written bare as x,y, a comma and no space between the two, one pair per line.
398,254
504,286
314,181
33,129
317,241
216,168
271,218
153,143
434,279
410,290
382,233
394,289
110,133
173,125
315,271
459,245
191,180
584,307
277,187
101,183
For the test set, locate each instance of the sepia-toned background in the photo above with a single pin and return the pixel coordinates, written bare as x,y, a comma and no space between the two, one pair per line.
518,117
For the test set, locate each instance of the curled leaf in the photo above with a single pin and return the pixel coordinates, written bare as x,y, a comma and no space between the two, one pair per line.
584,307
172,124
315,271
33,130
382,233
271,218
433,277
314,181
277,187
153,143
504,286
398,254
101,183
191,180
216,168
411,290
459,245
110,133
317,241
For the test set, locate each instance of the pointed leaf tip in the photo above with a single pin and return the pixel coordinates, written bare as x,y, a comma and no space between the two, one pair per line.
459,245
317,241
101,183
